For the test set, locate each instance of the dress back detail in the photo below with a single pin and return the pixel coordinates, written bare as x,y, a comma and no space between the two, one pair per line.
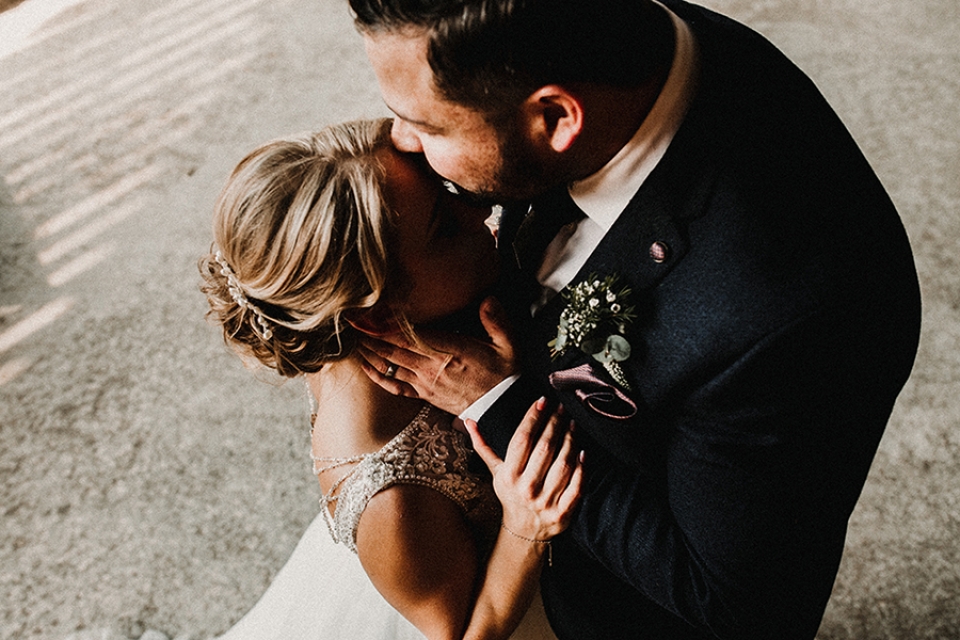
427,452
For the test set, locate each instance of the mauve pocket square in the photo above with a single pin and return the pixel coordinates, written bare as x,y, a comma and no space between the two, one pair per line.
599,396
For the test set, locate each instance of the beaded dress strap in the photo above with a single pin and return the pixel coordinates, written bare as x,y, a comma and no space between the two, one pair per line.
331,496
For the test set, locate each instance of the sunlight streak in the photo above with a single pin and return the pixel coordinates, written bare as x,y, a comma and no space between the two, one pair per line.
139,135
87,52
12,369
80,264
122,81
87,233
97,201
172,46
34,322
188,77
19,25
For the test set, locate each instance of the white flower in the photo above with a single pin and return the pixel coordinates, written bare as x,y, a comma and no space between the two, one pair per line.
595,320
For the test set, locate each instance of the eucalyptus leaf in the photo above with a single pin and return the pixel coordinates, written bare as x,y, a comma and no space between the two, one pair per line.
618,347
603,356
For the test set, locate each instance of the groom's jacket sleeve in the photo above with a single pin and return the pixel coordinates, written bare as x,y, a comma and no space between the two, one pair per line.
741,529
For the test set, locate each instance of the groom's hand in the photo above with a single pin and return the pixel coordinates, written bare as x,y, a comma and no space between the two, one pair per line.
450,371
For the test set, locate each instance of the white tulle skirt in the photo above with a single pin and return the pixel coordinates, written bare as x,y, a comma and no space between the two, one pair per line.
322,593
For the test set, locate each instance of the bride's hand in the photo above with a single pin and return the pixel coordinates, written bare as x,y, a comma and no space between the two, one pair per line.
449,371
539,481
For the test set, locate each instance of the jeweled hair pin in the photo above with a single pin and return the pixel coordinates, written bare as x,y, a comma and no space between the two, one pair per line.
261,326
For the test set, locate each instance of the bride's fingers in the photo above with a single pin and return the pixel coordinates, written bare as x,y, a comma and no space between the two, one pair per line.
571,494
376,351
398,339
392,383
375,361
488,455
561,469
544,451
524,438
383,370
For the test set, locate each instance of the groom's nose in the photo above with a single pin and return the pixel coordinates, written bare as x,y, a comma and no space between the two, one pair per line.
405,137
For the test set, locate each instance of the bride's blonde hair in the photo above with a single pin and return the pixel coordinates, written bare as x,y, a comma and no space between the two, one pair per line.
301,233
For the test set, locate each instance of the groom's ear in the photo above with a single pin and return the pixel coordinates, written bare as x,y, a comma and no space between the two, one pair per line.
377,321
554,117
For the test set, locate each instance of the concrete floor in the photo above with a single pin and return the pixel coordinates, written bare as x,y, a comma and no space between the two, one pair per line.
150,482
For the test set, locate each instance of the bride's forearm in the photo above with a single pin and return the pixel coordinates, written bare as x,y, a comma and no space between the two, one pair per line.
507,587
538,484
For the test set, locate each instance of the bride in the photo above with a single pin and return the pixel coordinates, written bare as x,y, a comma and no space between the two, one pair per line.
327,237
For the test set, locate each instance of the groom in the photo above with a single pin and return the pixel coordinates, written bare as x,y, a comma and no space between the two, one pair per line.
755,299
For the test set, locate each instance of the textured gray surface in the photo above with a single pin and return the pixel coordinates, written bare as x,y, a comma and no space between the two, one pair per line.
149,482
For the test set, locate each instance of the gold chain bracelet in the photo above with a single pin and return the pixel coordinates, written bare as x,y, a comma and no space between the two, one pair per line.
533,540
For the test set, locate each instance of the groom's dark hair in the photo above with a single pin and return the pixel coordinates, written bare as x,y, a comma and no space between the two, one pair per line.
491,54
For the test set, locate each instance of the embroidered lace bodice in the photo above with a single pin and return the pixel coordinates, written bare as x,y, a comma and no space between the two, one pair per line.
427,452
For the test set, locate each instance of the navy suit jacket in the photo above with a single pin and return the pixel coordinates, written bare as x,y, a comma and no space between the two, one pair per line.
769,349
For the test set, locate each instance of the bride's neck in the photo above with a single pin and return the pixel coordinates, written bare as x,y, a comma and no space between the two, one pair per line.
353,412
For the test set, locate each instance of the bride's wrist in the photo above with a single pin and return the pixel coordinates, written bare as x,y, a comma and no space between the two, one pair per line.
546,543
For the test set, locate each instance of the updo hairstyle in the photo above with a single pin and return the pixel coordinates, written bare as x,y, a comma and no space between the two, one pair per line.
302,232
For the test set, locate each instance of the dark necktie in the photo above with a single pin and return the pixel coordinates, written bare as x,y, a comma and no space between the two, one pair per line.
541,225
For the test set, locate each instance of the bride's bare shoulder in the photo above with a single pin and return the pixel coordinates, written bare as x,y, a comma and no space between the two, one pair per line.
419,552
352,414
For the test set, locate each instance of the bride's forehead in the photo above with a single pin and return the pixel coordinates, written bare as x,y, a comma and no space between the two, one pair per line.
413,161
395,162
407,171
408,183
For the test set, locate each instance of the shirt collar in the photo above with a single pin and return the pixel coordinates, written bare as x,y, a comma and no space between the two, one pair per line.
606,193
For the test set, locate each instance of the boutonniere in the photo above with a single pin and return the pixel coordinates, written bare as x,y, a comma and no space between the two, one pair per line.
595,320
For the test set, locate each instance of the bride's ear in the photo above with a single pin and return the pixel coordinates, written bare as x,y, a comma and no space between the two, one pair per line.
377,321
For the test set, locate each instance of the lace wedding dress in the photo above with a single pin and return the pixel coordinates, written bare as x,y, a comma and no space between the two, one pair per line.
322,592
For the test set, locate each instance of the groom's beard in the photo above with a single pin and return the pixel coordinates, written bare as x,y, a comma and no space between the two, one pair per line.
522,174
